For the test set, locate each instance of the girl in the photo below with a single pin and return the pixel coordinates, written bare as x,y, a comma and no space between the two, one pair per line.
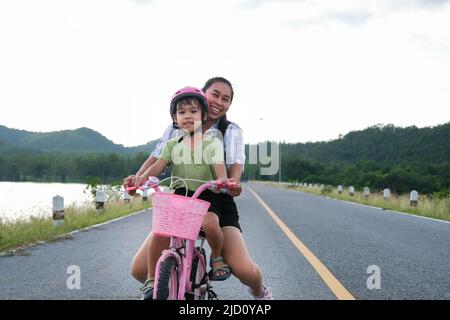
194,156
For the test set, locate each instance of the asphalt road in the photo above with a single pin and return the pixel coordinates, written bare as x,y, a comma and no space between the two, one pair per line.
410,255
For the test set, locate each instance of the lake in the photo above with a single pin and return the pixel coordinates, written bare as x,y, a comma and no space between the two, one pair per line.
25,199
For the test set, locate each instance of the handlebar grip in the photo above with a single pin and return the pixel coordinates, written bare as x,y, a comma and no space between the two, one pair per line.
131,190
224,185
151,182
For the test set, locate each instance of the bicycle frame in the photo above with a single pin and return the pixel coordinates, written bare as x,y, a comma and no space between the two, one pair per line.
183,251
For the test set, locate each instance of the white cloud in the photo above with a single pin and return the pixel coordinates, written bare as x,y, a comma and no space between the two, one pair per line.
314,69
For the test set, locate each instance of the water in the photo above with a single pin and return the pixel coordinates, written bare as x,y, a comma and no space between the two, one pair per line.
20,200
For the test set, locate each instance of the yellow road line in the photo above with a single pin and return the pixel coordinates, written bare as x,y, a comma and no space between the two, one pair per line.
330,280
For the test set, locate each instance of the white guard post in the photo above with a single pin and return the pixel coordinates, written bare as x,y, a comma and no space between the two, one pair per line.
351,191
99,199
386,194
58,210
413,198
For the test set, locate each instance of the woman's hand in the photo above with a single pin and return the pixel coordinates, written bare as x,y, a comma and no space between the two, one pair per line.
138,180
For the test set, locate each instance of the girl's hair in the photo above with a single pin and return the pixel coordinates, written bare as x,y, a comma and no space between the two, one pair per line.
211,81
189,101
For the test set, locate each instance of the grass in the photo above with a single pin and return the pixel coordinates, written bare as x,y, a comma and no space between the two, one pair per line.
16,235
426,206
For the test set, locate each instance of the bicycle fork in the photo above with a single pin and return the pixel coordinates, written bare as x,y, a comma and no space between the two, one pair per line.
182,252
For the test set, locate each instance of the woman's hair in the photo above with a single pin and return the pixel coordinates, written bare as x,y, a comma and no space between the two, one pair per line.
211,81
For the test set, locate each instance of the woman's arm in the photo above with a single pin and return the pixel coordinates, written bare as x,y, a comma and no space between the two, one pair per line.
147,164
131,180
235,172
235,150
154,170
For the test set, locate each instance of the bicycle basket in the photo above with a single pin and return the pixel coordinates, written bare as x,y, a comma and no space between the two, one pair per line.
177,216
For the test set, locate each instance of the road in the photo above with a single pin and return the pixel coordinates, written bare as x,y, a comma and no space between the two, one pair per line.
335,250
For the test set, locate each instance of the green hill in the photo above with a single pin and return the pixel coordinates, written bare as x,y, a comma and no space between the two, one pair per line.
82,140
387,144
377,157
66,156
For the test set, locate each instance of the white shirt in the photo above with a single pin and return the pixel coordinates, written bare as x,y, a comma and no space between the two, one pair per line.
233,142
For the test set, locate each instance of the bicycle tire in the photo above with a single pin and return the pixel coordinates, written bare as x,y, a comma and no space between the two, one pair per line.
197,275
168,279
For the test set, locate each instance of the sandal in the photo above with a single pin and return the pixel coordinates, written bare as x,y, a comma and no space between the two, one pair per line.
147,288
213,273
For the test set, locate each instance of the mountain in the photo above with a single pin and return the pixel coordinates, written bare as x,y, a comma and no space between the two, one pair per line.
377,157
80,140
380,143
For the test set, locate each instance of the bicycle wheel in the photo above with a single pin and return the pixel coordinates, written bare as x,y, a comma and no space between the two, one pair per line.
198,278
168,280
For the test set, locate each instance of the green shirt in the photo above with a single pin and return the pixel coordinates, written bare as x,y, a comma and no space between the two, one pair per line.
193,164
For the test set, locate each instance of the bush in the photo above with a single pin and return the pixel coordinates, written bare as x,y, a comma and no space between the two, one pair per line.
326,190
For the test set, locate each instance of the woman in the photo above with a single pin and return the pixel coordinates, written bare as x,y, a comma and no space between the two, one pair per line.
219,93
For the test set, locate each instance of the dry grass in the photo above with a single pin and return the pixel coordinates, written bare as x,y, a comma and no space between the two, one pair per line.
426,206
26,232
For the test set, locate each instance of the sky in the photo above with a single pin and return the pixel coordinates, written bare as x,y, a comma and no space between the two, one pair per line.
302,70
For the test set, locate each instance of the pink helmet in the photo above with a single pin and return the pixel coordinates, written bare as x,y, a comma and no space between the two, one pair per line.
188,92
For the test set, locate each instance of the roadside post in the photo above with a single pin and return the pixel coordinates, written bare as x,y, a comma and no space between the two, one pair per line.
58,211
413,198
99,199
366,192
351,191
386,194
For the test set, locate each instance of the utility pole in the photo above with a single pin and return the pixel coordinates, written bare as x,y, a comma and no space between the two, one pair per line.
279,169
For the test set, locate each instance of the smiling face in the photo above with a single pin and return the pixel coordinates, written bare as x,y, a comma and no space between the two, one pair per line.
219,97
189,115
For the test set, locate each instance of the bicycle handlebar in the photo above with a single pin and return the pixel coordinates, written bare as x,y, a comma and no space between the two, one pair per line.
224,184
153,182
217,184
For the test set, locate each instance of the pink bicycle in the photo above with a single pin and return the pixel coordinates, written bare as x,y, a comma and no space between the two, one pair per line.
181,271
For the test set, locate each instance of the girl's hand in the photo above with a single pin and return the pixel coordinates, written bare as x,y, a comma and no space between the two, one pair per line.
128,182
235,191
220,180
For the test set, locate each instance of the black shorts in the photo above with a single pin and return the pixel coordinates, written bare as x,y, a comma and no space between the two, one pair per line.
222,205
229,212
